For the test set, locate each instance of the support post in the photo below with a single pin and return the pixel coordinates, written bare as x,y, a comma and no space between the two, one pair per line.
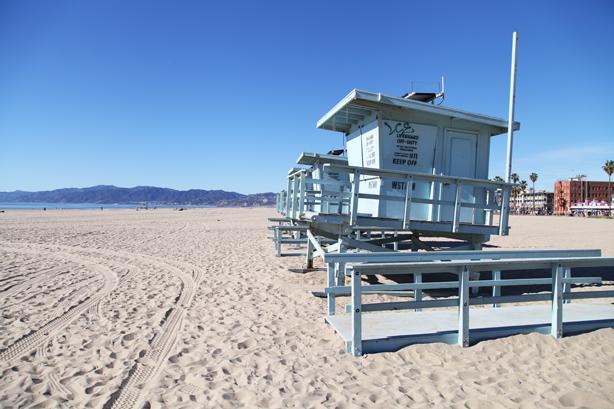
309,261
278,236
414,244
505,211
557,301
356,314
463,307
330,282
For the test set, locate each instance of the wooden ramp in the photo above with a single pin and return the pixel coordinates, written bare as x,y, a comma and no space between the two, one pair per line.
388,332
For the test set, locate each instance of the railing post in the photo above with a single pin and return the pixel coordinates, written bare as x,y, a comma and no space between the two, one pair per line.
324,202
288,192
295,197
341,266
417,291
354,199
557,301
489,194
496,290
408,195
457,206
567,286
301,208
463,307
356,314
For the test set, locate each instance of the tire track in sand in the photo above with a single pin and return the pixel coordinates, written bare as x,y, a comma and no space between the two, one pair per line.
126,272
33,279
151,360
37,337
147,367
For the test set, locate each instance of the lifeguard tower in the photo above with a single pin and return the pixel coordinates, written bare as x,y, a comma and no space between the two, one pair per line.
417,166
310,188
411,166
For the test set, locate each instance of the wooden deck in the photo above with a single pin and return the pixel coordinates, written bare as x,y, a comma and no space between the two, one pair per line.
387,332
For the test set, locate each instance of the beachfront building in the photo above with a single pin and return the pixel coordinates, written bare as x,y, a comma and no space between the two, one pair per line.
578,192
523,203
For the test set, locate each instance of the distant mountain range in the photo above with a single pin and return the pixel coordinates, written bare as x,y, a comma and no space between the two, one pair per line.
141,194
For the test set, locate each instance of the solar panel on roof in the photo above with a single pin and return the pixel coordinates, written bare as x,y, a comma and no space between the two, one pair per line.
420,96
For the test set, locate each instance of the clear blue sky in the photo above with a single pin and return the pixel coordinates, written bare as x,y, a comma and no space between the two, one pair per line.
226,95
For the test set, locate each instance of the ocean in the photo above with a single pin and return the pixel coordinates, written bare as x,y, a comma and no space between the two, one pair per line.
85,206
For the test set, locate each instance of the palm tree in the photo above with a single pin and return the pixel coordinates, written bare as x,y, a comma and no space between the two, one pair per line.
515,191
498,179
609,169
523,187
533,178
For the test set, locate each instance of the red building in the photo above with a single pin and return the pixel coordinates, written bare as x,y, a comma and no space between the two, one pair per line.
578,190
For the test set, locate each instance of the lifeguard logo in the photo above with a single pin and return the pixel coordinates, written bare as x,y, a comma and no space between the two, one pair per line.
405,144
401,128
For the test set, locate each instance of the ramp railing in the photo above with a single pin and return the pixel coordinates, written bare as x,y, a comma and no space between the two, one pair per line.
336,265
463,269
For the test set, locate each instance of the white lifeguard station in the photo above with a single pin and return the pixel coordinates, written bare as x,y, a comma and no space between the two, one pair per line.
421,164
412,169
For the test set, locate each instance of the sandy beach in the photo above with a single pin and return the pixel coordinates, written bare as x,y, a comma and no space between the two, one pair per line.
191,309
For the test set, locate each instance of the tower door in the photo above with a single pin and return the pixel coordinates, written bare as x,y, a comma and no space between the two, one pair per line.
460,160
